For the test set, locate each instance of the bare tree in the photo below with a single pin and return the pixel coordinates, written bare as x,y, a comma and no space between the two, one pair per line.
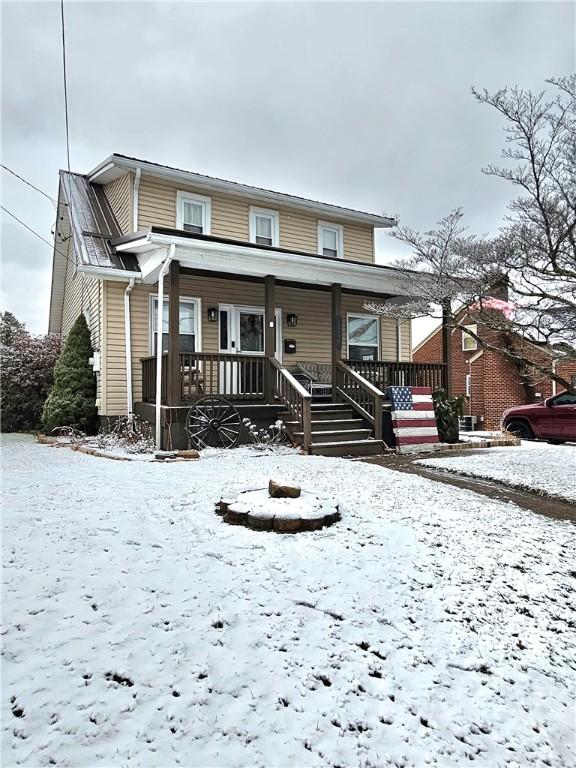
535,252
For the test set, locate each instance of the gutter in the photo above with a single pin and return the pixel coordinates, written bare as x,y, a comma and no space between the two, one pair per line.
163,271
135,199
128,347
109,273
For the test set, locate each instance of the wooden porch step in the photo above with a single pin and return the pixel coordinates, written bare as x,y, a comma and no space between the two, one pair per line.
348,448
324,425
351,435
331,413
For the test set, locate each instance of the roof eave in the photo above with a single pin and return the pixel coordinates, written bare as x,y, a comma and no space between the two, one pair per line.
116,165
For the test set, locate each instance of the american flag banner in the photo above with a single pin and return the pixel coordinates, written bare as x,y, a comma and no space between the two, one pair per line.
413,418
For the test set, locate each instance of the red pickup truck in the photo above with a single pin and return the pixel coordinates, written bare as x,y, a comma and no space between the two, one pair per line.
553,420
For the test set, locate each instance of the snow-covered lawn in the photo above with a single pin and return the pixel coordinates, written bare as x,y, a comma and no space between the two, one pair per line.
431,626
546,469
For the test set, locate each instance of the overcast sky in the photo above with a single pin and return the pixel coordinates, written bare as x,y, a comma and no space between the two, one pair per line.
363,104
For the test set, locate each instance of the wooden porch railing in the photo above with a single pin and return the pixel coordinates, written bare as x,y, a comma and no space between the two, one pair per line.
383,374
362,395
238,377
296,399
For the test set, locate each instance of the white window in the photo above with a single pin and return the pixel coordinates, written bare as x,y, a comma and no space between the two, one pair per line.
469,343
363,335
264,227
330,240
193,213
189,326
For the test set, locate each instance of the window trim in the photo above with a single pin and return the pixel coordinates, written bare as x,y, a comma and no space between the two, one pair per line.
339,229
192,197
363,315
151,313
474,327
271,214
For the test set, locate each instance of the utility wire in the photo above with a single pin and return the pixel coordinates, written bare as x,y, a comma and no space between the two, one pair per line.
5,167
65,84
37,234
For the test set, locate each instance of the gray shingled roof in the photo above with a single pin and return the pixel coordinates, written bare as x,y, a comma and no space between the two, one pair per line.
93,225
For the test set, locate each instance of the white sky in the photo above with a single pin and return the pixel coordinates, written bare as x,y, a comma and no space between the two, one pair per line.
362,104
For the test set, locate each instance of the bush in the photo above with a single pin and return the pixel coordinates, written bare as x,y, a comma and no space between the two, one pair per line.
27,374
448,411
71,402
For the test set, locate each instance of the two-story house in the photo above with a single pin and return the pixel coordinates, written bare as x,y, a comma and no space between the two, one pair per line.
244,286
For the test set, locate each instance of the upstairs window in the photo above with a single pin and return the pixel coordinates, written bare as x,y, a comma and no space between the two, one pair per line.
469,343
193,213
330,240
264,227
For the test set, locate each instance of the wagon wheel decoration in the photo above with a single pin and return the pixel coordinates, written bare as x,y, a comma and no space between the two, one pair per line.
213,422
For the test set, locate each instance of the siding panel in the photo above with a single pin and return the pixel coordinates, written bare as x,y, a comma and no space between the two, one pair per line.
230,219
119,194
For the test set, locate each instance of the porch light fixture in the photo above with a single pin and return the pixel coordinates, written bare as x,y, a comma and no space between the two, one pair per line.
212,314
291,320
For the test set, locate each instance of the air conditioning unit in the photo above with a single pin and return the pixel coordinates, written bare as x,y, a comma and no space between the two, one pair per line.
467,423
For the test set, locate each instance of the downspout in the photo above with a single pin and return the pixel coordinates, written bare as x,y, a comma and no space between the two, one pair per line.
135,199
163,272
128,347
554,385
398,340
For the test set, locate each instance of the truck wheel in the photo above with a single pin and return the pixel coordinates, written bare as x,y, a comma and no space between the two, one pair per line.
556,442
520,429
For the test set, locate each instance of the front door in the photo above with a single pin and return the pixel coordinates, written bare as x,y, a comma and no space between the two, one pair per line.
242,333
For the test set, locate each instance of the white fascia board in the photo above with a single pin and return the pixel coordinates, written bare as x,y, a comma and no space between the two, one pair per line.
238,259
109,273
103,175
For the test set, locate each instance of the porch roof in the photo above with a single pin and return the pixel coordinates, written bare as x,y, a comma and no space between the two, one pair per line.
213,254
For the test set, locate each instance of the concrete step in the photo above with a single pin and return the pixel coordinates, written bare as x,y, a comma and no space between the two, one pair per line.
351,448
331,436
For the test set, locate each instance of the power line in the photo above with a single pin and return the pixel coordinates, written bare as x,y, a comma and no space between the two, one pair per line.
51,245
65,84
5,167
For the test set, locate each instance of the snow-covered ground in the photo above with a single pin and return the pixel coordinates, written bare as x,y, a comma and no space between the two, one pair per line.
430,627
547,469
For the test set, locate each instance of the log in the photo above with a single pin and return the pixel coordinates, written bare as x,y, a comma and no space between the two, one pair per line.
236,514
287,522
260,519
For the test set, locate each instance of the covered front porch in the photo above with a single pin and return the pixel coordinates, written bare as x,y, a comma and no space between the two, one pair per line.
282,334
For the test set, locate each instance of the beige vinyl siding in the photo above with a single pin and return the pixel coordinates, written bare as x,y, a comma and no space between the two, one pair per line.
405,341
231,217
119,194
82,294
312,334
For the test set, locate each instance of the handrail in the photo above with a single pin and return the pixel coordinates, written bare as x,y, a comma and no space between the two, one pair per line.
293,395
364,397
386,373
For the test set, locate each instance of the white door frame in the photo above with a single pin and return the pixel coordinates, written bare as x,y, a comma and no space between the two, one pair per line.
234,311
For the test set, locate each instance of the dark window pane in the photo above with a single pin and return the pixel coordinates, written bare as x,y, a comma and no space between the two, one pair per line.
192,228
264,240
357,352
330,252
564,399
223,329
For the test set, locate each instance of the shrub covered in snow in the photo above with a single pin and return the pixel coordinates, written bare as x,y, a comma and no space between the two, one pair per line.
27,374
72,399
129,434
266,437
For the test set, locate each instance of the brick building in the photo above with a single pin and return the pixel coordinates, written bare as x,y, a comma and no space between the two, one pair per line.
490,381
